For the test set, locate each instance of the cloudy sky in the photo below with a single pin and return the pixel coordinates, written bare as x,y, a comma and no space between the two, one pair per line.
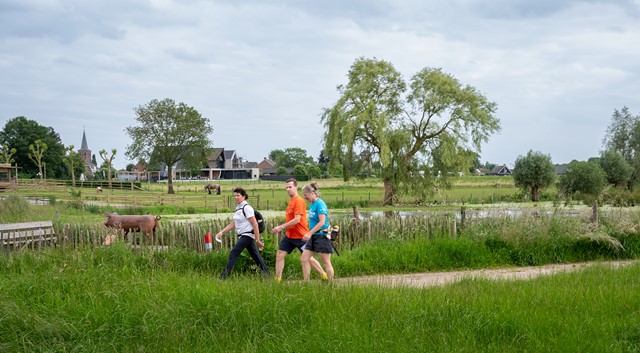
262,71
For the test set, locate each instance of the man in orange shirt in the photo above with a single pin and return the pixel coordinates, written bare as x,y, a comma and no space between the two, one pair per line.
297,225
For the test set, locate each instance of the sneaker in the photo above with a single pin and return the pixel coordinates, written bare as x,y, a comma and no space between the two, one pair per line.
324,276
279,280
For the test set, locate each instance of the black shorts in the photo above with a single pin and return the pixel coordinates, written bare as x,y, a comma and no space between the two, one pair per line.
319,243
287,244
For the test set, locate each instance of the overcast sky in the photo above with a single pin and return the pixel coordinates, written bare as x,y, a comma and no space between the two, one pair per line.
262,71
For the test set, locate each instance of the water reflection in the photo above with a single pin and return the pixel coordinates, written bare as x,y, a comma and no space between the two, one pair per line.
469,213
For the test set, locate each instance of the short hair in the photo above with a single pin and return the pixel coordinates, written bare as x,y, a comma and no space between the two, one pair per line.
292,180
311,188
241,192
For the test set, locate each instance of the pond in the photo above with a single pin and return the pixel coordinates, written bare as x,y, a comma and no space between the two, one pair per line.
470,213
495,211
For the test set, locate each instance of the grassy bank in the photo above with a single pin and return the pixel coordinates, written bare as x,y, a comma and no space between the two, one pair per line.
391,245
107,301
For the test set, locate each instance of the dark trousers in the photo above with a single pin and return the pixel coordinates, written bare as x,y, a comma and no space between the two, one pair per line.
248,243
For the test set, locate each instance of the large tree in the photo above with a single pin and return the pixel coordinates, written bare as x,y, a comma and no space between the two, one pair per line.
586,180
533,172
402,124
169,133
583,177
291,157
617,169
623,137
20,133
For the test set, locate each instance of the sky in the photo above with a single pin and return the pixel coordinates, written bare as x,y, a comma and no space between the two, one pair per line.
262,71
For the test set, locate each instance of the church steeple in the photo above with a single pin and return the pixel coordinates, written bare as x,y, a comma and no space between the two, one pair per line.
84,141
85,152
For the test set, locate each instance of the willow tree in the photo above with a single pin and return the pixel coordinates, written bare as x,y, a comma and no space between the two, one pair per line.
169,133
37,156
586,180
6,154
428,127
534,172
74,161
623,137
108,160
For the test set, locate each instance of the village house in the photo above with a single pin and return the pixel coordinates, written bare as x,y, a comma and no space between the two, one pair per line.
500,170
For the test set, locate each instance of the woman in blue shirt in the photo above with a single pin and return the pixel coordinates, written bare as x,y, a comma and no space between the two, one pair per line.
317,238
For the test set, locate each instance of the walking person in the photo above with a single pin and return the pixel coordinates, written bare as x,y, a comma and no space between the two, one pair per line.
244,221
317,237
296,226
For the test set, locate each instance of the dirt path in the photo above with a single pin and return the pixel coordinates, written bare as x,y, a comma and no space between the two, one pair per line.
440,278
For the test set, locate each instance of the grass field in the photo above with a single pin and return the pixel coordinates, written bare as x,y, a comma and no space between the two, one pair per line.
113,299
190,197
106,301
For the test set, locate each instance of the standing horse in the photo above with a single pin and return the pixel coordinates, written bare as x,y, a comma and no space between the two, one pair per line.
215,187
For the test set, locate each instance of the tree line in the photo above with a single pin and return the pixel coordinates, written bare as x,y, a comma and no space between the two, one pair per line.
617,167
413,134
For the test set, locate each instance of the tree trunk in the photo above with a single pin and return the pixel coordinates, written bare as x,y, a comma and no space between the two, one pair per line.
594,212
535,194
170,181
73,176
109,174
389,193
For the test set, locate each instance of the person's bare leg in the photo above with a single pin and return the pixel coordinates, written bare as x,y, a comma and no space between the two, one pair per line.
316,266
280,255
326,261
306,265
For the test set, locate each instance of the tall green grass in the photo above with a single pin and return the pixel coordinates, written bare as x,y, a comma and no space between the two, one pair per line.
14,209
104,301
399,245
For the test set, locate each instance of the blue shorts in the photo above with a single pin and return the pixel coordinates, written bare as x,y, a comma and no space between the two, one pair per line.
287,244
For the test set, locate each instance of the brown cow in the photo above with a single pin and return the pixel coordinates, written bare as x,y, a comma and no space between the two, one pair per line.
215,187
145,224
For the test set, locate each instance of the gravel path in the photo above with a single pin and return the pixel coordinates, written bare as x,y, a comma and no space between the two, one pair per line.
440,278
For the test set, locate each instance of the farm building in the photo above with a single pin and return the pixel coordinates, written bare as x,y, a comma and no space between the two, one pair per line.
8,181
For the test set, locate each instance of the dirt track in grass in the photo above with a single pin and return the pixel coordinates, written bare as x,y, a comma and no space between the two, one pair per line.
428,279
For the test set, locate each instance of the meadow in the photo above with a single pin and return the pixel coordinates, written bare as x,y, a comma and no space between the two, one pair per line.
114,300
81,296
191,198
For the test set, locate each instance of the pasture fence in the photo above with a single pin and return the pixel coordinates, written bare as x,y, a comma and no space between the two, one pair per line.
190,235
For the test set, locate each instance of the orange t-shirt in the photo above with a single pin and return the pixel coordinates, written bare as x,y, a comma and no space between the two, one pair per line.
297,206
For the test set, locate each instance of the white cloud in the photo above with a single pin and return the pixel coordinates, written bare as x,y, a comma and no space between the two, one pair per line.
263,70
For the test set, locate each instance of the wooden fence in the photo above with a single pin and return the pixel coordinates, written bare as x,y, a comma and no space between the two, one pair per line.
190,236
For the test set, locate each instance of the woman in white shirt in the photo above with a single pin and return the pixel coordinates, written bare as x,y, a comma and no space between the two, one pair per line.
244,221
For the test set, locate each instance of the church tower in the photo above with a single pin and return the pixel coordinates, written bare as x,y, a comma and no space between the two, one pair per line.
85,152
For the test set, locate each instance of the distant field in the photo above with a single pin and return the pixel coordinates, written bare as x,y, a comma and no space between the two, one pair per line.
268,195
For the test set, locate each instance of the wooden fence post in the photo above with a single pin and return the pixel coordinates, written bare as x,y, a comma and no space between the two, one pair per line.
463,217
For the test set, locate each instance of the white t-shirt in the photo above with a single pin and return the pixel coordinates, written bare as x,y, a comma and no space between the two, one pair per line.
243,226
